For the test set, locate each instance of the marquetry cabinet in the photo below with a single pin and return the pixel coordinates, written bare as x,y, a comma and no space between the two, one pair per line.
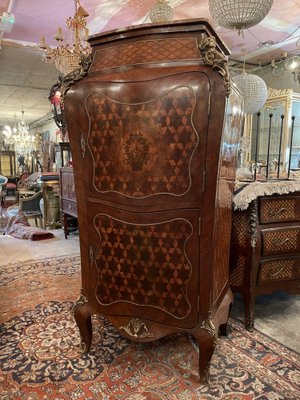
68,206
154,127
265,249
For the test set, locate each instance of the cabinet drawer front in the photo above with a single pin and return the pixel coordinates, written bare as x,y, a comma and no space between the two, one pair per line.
279,270
280,241
279,209
158,50
69,207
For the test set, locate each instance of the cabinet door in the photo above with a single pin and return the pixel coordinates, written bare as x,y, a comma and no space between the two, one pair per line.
145,264
146,141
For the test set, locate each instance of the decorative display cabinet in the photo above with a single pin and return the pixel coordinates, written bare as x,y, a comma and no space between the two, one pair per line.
265,246
154,128
8,163
279,103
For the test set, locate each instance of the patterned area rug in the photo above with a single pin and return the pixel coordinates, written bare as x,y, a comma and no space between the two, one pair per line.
40,354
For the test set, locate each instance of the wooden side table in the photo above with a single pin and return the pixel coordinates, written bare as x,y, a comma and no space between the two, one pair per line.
265,246
68,204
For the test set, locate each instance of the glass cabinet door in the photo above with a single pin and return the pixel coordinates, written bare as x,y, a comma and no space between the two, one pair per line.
278,130
295,153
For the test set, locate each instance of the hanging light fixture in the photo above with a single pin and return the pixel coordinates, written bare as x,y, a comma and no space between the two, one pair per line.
161,11
8,136
239,14
19,137
286,64
67,57
254,91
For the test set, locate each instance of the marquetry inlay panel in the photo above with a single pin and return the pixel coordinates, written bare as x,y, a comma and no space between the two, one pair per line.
279,210
146,51
278,270
144,264
281,241
240,223
238,274
140,150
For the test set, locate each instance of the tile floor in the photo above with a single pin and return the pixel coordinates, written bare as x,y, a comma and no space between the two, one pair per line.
277,315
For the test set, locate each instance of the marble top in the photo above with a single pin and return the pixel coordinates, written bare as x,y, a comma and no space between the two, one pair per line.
246,192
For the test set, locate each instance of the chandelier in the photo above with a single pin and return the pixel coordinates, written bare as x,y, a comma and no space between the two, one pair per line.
254,91
161,11
286,64
67,56
239,14
19,137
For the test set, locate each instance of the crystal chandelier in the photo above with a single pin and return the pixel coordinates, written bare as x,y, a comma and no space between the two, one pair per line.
161,11
239,14
8,135
67,56
286,64
19,137
254,91
24,140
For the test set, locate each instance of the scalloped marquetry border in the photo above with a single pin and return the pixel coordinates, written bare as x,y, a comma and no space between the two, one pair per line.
185,254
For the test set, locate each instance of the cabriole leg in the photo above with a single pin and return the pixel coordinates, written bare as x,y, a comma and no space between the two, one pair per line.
82,315
206,338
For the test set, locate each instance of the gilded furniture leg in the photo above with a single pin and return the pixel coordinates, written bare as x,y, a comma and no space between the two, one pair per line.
206,338
82,315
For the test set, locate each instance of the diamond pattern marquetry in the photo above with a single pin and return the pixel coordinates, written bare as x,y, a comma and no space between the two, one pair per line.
145,149
144,264
278,210
278,270
238,274
240,224
281,241
146,52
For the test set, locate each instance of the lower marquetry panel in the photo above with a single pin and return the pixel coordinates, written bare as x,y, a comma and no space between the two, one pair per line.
146,264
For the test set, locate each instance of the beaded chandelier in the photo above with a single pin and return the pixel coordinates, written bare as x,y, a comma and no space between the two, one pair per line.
239,14
161,11
67,56
254,91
